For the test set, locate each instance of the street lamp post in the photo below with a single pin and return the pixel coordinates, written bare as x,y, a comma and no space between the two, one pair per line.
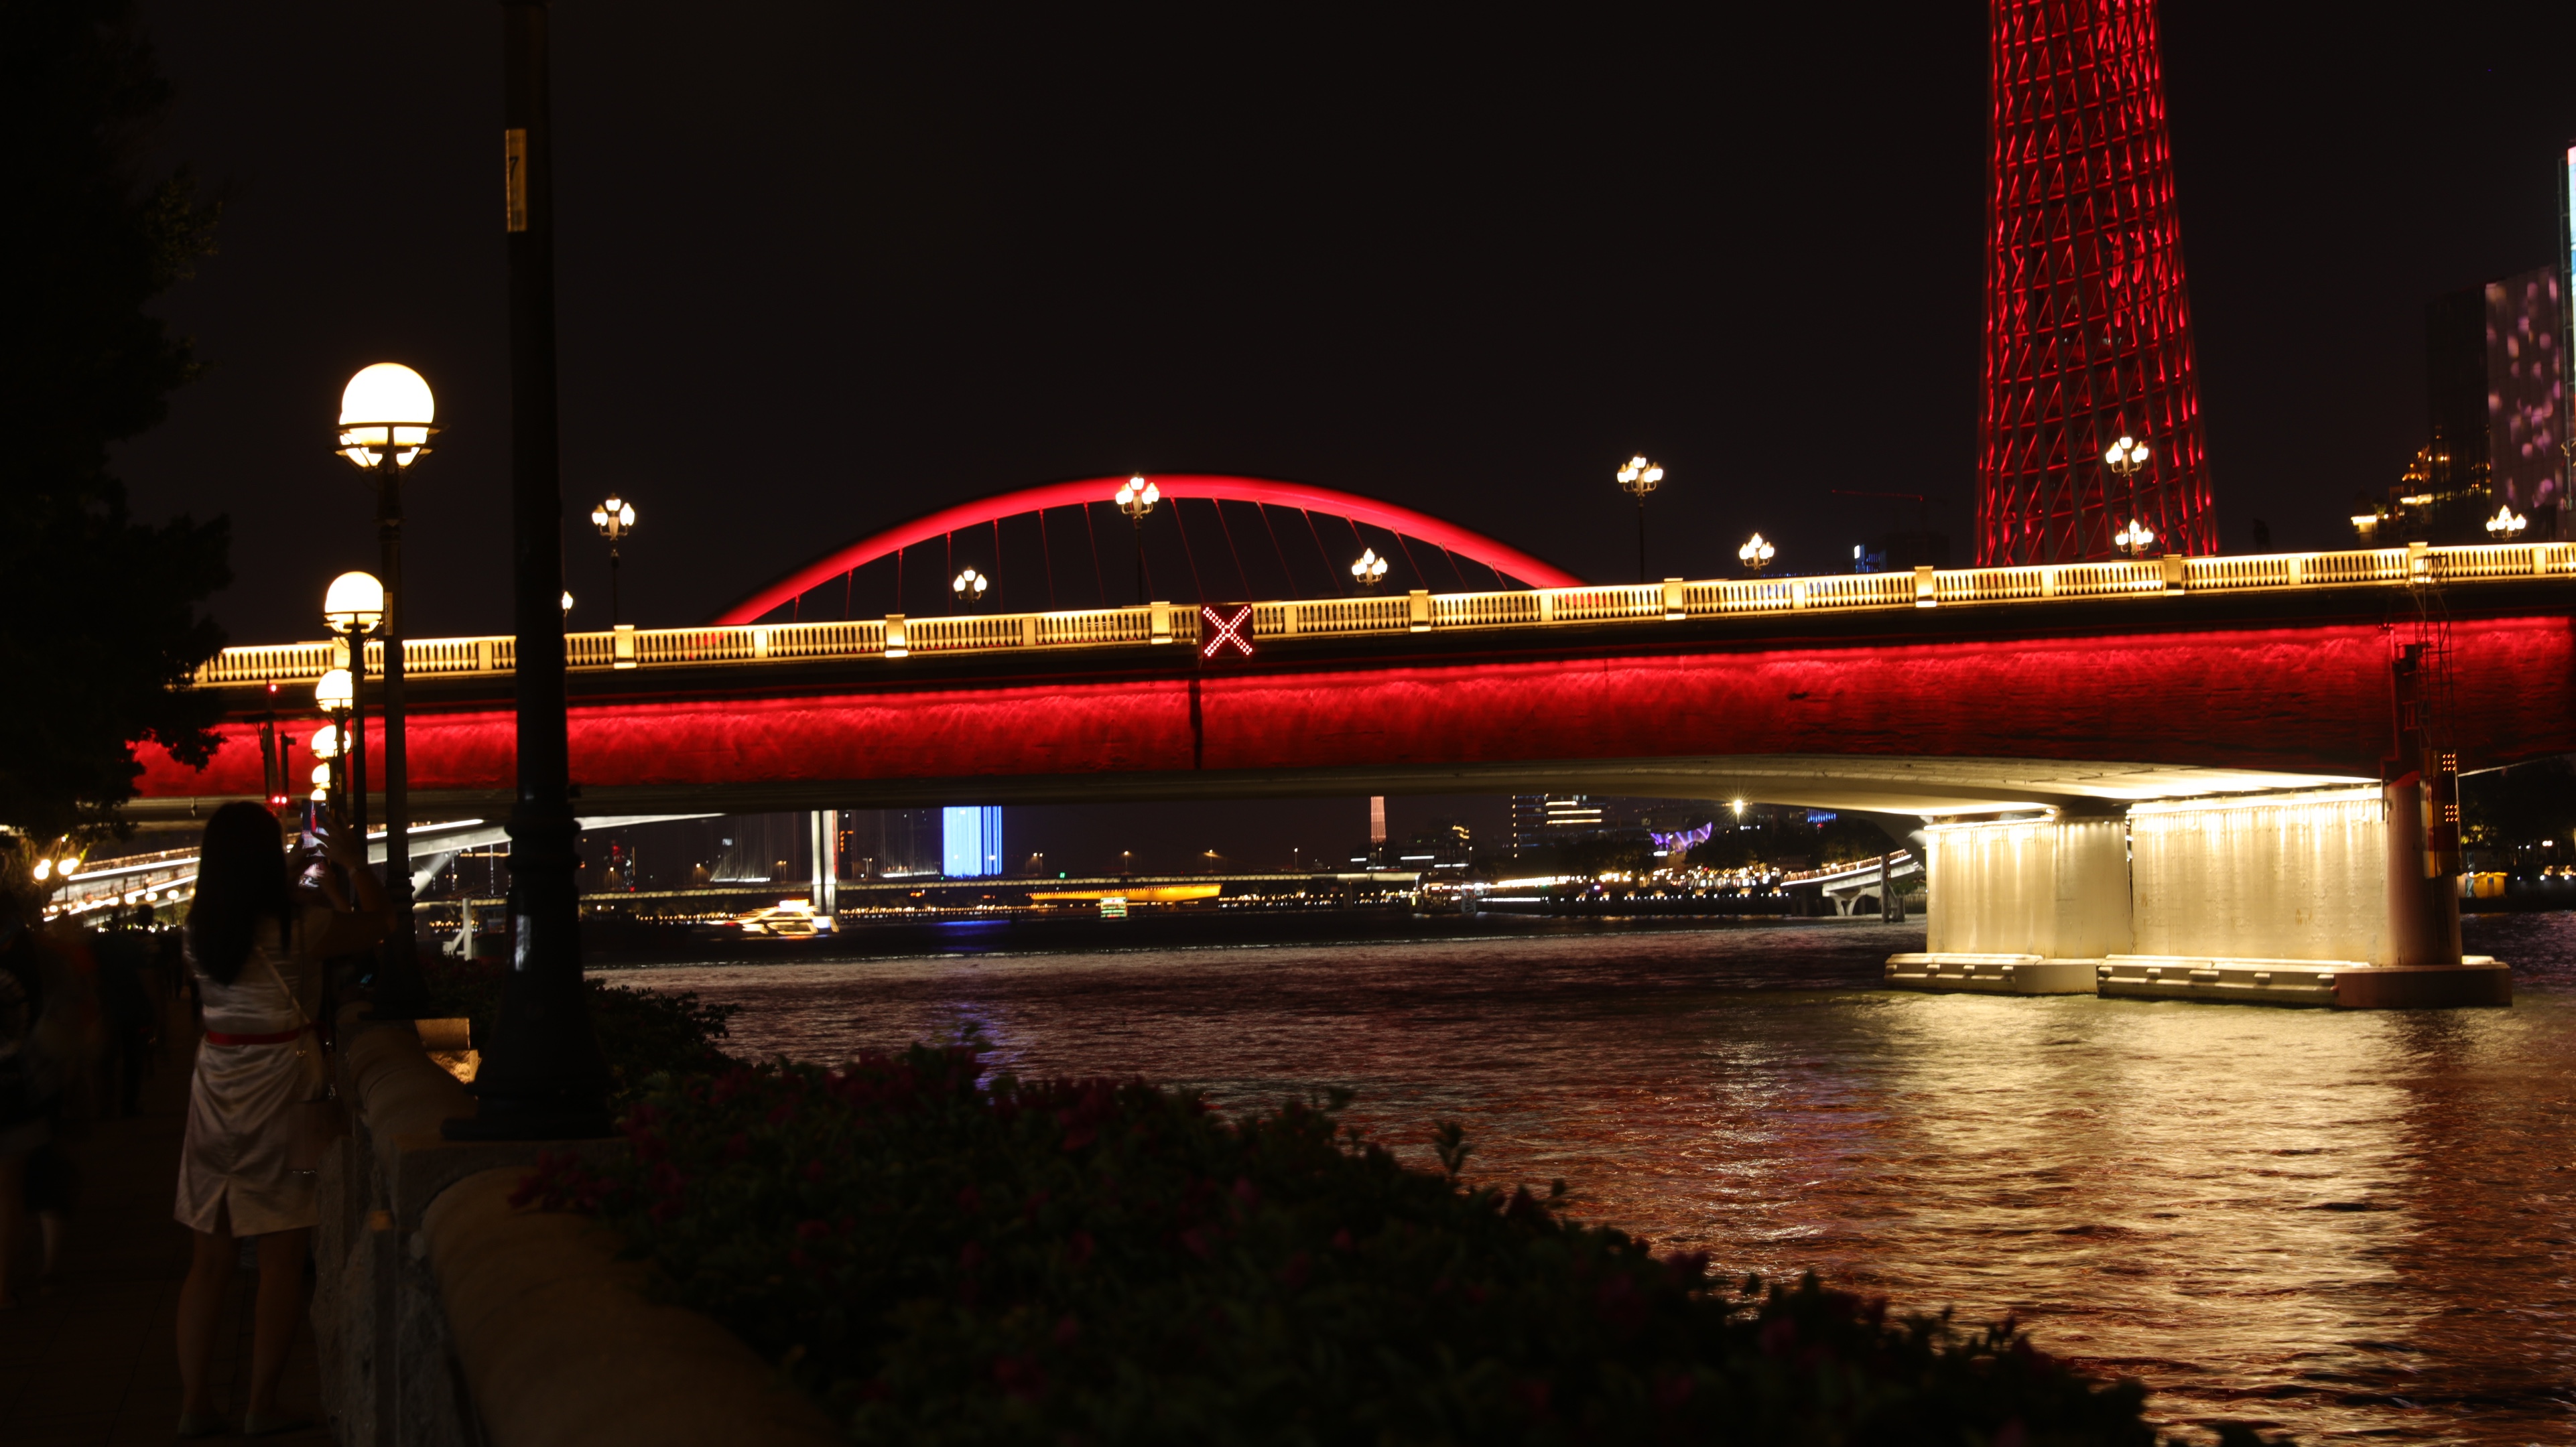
2134,539
2507,524
385,416
352,607
1756,553
326,773
614,518
968,587
336,695
543,1075
1136,497
1640,477
1370,570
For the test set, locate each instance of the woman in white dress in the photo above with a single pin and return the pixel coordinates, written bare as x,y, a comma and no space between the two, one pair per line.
257,946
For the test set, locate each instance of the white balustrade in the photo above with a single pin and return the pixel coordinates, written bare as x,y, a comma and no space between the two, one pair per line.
1400,613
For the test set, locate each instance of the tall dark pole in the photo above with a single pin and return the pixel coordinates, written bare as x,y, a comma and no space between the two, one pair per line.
543,1074
613,614
398,994
1641,538
1136,531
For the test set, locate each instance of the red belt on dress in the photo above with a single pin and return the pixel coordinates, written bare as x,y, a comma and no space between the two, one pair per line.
280,1037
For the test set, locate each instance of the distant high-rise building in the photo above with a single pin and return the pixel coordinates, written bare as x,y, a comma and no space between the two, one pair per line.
1445,848
971,842
2525,396
1541,820
2088,328
2495,408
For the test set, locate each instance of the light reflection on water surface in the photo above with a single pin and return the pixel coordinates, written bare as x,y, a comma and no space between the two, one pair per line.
2347,1224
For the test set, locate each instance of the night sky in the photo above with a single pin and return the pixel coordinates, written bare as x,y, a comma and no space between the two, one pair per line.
827,266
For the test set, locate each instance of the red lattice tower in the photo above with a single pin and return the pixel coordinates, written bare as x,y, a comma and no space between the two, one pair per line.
2088,332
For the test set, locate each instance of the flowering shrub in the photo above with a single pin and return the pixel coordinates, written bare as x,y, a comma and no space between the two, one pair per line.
944,1260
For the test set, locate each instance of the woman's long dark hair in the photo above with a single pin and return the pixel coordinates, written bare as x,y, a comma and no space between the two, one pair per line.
241,879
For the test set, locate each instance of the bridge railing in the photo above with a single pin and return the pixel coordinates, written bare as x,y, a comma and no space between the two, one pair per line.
1644,604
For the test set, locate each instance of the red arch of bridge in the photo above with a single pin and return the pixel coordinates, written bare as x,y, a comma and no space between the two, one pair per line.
1475,547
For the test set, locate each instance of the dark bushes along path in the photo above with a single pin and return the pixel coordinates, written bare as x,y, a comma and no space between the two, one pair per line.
942,1259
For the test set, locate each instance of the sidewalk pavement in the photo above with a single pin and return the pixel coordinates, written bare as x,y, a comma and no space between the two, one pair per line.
92,1358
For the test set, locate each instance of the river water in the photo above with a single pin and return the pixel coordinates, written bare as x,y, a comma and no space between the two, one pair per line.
2351,1225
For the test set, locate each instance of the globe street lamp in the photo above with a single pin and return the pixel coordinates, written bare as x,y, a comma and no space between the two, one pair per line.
336,693
1370,570
385,416
1756,553
2134,539
968,587
2125,457
2506,524
352,607
1640,477
1136,497
326,774
614,518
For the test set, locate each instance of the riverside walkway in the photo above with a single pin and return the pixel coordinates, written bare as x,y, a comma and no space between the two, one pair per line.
92,1357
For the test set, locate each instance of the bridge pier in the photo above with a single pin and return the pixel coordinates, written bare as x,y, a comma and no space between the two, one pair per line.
2320,898
824,827
2020,906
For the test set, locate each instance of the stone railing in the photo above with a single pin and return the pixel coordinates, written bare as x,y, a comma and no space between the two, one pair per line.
897,636
443,1316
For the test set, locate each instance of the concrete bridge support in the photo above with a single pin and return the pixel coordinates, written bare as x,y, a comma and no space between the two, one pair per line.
2318,898
2022,906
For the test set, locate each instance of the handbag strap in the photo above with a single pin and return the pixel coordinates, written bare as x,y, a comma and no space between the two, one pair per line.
303,1021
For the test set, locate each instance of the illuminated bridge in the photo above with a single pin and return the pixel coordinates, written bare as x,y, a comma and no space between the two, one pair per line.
2080,688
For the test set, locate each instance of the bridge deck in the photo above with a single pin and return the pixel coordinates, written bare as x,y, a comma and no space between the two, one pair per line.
1934,691
1627,605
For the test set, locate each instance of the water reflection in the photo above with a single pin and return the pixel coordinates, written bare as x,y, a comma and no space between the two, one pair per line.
2347,1224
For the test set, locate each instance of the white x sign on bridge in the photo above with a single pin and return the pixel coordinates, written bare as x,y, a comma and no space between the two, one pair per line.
1219,630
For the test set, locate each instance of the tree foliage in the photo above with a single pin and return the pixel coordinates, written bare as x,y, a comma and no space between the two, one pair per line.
99,614
1779,839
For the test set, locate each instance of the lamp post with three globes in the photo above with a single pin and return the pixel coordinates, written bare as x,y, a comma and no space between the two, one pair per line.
1370,570
1136,497
2126,458
614,518
1638,478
